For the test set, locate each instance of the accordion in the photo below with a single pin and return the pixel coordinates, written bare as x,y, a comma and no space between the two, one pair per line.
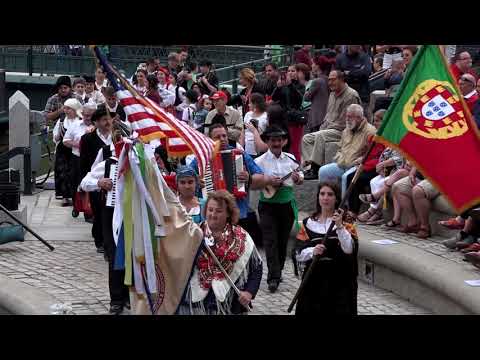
221,174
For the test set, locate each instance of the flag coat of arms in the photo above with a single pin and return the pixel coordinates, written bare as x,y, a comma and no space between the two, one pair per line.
429,122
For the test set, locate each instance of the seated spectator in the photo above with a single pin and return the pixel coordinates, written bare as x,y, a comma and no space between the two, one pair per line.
93,94
207,80
152,65
180,102
255,122
357,68
352,144
466,239
152,89
377,78
369,169
314,144
467,85
407,54
249,82
302,56
317,92
234,121
172,61
394,76
140,81
166,90
79,90
100,79
188,114
269,82
390,169
462,64
414,196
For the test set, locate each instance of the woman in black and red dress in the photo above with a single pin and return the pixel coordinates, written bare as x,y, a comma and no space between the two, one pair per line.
332,287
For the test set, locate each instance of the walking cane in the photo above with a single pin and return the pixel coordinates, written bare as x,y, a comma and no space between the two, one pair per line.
26,227
316,259
230,281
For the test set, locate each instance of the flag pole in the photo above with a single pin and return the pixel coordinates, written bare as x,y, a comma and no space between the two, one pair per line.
317,259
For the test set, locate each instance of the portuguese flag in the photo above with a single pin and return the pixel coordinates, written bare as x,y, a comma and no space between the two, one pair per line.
431,125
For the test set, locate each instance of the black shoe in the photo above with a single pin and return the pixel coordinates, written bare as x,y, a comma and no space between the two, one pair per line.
116,309
311,175
89,220
273,285
100,250
127,305
105,257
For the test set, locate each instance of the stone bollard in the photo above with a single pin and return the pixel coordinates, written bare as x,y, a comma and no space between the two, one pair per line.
18,129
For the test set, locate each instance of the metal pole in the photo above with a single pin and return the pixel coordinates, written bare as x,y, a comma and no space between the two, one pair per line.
30,60
26,227
27,171
3,92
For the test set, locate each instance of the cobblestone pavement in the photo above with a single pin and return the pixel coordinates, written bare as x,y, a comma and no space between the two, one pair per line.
76,274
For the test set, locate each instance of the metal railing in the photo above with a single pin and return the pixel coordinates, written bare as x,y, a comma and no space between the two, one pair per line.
58,59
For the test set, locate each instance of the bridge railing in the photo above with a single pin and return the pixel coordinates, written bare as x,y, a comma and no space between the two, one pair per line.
57,59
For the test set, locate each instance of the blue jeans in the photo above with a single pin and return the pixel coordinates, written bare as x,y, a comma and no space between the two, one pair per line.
331,172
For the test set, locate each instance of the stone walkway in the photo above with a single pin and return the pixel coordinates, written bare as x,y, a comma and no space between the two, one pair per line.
74,273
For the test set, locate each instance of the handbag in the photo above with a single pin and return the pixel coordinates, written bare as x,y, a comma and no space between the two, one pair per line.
295,116
11,232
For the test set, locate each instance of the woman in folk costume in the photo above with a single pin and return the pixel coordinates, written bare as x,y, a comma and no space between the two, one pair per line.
208,291
332,287
63,154
187,184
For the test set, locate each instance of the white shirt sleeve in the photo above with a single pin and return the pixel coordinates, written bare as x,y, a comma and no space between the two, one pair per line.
70,133
305,255
90,181
98,159
346,241
56,131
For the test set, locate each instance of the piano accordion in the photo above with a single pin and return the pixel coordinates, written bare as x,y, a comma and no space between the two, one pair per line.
221,174
112,194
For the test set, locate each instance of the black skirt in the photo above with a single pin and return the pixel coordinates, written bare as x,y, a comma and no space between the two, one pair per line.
63,172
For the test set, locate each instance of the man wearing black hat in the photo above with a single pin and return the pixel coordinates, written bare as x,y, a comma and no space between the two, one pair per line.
90,145
207,80
54,108
277,207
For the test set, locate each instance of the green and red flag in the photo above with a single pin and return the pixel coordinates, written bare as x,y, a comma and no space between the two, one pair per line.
430,124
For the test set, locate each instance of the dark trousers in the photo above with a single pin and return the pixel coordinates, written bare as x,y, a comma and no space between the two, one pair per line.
361,187
96,204
118,291
76,176
250,225
276,221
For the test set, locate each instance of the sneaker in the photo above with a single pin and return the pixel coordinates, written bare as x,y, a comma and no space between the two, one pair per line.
452,243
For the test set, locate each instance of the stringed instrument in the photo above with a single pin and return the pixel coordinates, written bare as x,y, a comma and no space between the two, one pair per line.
269,191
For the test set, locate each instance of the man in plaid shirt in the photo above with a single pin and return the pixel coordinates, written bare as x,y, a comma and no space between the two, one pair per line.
54,108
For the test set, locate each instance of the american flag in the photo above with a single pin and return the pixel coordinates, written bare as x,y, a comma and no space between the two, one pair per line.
151,122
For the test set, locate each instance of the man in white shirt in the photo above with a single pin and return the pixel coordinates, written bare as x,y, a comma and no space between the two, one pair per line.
98,181
278,212
72,138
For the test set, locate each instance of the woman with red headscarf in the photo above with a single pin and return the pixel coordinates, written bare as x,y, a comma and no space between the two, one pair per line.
166,89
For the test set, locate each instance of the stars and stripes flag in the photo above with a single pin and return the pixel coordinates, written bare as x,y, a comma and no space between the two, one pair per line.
151,122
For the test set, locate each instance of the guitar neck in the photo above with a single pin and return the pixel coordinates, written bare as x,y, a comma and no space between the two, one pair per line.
289,174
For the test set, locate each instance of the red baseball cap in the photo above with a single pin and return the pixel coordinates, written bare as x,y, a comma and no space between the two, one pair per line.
219,95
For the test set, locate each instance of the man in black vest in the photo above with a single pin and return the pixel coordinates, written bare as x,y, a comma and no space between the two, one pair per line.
98,180
90,145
